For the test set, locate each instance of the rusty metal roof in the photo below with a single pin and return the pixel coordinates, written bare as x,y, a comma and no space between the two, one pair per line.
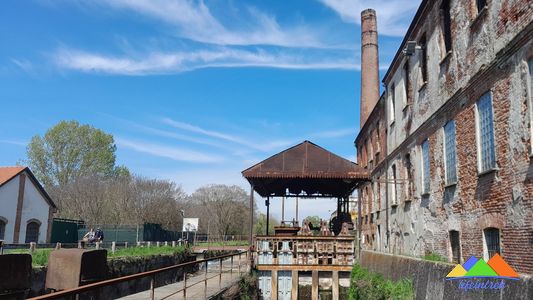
305,168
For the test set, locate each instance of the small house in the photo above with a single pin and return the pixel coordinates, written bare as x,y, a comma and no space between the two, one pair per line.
26,210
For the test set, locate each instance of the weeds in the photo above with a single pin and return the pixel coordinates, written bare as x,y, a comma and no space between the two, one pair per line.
371,286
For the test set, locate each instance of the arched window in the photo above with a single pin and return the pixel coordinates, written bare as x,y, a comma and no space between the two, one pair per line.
32,231
492,241
3,223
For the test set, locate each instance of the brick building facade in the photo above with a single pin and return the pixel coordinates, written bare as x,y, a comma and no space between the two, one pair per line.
448,144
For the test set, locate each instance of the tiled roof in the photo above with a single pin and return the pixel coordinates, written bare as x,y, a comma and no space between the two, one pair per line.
6,173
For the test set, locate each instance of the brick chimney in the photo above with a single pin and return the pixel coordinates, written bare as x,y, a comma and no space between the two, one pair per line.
369,64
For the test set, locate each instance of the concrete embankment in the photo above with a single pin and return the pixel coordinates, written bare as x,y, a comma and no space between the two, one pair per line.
429,279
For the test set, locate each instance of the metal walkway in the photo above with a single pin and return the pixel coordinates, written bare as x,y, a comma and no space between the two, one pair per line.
197,287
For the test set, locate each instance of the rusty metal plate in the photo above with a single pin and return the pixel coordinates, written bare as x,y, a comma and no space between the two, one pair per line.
15,272
69,268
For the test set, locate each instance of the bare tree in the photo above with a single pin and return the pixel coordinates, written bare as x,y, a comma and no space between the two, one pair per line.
225,208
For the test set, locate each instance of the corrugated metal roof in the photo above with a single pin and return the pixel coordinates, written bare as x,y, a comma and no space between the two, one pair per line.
307,168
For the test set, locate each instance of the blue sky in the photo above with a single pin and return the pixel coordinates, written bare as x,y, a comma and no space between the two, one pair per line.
192,91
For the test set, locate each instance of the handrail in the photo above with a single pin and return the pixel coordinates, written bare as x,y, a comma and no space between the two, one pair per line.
100,284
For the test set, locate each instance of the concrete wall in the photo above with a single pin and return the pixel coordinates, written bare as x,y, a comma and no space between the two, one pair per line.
429,278
119,267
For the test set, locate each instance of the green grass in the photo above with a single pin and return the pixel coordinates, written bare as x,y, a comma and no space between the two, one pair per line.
40,256
434,257
225,243
147,251
367,285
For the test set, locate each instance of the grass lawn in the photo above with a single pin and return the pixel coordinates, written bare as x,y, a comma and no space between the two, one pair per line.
225,243
40,256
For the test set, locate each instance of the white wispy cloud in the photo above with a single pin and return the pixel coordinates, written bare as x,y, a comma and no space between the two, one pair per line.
171,62
23,64
14,142
394,16
243,141
194,20
330,134
174,153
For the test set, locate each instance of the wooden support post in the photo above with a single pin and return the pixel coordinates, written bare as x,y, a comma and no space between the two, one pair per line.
335,284
152,288
294,290
282,209
251,214
297,221
314,286
274,291
267,202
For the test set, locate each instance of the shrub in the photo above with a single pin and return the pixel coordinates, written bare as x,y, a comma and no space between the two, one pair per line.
367,285
434,257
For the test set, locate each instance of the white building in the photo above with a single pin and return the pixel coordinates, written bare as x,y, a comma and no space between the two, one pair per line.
26,210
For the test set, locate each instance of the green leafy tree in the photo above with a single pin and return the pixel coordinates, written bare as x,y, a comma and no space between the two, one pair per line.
260,225
68,151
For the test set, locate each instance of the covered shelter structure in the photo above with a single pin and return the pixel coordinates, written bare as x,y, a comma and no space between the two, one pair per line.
305,170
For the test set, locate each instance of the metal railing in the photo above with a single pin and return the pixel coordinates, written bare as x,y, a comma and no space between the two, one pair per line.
152,275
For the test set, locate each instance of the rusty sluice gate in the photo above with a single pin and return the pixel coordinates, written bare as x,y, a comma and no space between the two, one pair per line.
15,276
294,263
72,268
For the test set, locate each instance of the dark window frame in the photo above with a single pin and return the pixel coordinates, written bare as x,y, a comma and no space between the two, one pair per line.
31,235
446,25
480,5
423,61
3,225
455,243
492,241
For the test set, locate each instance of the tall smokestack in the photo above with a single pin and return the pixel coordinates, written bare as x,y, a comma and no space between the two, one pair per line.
369,63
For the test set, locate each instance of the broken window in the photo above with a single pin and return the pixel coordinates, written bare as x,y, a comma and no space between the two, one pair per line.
406,83
446,26
409,176
492,241
456,246
392,103
425,167
393,193
480,4
423,59
449,153
485,133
